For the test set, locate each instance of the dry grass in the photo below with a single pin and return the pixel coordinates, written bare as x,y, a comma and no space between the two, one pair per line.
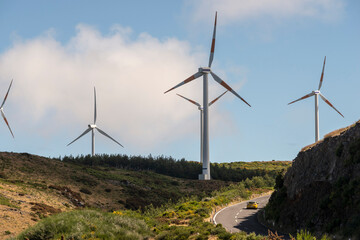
38,185
329,135
339,131
14,220
310,146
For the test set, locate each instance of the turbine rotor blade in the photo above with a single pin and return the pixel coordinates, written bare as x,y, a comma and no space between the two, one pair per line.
213,43
7,93
322,74
86,131
192,101
328,102
221,82
213,101
304,97
189,79
94,105
106,135
3,115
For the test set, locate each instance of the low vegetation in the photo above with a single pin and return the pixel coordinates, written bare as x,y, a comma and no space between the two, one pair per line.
87,224
40,187
6,202
128,204
184,220
269,166
169,166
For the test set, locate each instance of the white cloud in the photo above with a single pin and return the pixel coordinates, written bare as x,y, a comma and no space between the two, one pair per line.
244,10
53,86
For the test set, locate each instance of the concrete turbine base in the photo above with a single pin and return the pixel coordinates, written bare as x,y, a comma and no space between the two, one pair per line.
204,176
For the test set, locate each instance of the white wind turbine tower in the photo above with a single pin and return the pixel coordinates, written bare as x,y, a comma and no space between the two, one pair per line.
317,93
2,109
201,119
204,71
92,127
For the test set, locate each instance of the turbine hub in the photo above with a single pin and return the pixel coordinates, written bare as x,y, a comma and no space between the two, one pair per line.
205,70
92,126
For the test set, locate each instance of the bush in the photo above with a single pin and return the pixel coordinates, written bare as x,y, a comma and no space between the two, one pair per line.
87,224
86,191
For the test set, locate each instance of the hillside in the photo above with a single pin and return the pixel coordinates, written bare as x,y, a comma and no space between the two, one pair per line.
34,187
321,191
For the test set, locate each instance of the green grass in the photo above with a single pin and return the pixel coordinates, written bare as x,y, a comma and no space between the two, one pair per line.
182,220
87,224
306,235
126,188
258,165
172,221
5,201
187,218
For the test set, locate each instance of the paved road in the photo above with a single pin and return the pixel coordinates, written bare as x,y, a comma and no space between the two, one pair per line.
237,218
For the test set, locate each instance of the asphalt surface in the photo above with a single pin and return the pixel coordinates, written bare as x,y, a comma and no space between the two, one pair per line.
238,218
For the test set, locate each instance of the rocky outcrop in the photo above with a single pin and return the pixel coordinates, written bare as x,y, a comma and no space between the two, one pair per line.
74,197
321,191
325,162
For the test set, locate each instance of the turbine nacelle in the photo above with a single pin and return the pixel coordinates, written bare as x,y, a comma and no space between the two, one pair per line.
92,126
316,92
205,70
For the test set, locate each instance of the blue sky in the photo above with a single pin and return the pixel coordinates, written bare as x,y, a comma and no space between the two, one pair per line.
269,51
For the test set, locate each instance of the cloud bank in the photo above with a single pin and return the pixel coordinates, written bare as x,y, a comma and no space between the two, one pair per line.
53,86
244,10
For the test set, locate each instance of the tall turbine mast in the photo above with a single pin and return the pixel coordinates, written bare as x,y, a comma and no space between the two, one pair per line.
204,71
316,93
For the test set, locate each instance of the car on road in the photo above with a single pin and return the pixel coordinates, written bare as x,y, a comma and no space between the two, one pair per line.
252,205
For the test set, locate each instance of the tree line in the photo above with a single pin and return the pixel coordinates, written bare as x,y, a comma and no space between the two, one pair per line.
167,166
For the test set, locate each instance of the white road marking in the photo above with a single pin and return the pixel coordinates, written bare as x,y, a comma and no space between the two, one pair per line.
214,217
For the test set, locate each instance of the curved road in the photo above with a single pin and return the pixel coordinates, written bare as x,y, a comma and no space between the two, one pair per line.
238,218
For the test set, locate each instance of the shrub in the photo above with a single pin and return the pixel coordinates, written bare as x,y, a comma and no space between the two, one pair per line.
87,224
86,191
6,202
306,235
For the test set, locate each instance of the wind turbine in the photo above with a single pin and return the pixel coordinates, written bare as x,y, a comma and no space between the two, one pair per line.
201,119
316,93
2,109
204,71
92,127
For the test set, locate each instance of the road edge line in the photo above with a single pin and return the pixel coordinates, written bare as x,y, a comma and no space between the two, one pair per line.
213,218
